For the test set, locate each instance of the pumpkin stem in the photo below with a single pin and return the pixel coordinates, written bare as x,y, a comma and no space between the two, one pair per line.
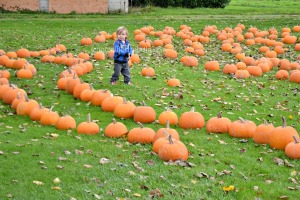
91,86
140,124
193,109
283,122
74,75
242,120
89,118
26,97
167,124
296,139
114,120
265,121
143,103
40,105
170,139
124,100
166,134
220,114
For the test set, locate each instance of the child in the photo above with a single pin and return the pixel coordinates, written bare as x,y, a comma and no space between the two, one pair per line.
122,53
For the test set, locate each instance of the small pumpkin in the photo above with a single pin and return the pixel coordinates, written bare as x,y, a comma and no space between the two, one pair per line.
109,104
173,82
144,114
160,132
262,133
37,113
141,134
88,127
148,72
191,120
49,118
115,129
218,124
292,149
242,128
99,95
168,116
25,107
159,142
65,123
173,151
79,88
282,135
124,110
86,94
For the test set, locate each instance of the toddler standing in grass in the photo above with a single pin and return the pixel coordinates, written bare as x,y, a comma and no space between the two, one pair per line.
122,53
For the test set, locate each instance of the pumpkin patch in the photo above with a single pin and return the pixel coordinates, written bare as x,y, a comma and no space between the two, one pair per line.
242,70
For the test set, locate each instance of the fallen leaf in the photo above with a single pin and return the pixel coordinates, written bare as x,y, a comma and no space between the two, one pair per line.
55,188
38,182
284,197
222,142
269,181
87,166
137,195
228,188
278,161
150,162
202,175
56,181
136,166
104,161
155,193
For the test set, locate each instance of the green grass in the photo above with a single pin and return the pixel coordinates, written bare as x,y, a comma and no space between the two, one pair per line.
31,154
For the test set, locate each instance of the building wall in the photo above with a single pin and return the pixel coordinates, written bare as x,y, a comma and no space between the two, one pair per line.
14,5
59,6
78,6
118,5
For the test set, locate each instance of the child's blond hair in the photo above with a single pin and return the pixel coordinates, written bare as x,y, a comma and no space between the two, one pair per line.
122,29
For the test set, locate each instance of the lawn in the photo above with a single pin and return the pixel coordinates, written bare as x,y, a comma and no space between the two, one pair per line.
41,162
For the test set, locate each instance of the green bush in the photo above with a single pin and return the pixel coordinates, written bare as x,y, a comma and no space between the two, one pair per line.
182,3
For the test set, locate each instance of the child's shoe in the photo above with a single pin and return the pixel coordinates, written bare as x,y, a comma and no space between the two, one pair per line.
113,83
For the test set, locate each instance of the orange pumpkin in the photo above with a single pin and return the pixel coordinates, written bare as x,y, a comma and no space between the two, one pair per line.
115,129
191,120
262,133
242,128
292,149
218,124
144,114
88,127
282,135
141,134
173,151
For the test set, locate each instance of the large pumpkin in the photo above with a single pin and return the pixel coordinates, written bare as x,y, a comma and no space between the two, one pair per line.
292,149
144,114
115,129
218,124
88,127
141,134
242,128
191,120
173,151
282,135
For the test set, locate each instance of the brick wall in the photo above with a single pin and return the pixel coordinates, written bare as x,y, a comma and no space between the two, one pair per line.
60,6
14,5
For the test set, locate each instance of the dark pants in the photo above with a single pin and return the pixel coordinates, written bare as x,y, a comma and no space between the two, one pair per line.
122,68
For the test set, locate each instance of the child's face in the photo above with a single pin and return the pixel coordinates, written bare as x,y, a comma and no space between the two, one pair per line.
122,35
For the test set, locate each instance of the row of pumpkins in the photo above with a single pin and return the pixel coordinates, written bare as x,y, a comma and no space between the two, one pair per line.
283,137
